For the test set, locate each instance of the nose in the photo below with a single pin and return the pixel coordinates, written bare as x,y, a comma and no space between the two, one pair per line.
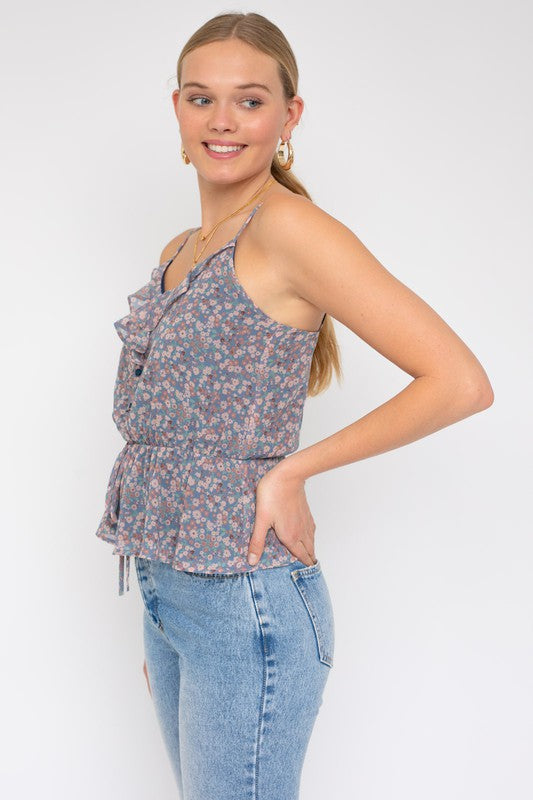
221,117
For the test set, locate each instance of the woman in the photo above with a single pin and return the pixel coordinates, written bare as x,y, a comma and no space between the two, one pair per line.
220,349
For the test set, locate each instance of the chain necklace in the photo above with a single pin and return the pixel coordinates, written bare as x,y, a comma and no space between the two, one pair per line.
209,236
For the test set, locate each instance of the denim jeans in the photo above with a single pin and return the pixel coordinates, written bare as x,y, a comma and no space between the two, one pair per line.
237,666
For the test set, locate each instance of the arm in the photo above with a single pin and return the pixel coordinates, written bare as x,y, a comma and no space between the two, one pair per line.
336,272
331,268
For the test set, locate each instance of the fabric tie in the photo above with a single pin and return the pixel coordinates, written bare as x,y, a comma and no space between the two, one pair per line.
123,559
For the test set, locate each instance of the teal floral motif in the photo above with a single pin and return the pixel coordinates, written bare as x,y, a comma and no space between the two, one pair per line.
208,397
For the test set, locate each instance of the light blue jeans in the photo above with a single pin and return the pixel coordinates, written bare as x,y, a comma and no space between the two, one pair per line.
237,666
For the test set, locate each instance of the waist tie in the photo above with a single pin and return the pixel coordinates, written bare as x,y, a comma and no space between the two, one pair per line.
121,561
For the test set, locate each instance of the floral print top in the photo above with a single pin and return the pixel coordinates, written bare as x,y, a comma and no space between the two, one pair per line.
208,397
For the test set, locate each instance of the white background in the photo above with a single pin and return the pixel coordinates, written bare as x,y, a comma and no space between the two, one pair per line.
416,134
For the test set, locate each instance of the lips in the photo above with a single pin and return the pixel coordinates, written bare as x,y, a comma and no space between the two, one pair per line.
225,144
224,155
240,146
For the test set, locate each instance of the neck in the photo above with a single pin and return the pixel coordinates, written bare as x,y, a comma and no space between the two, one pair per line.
217,201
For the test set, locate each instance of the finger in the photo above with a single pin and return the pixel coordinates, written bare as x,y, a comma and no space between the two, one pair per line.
257,541
309,545
308,553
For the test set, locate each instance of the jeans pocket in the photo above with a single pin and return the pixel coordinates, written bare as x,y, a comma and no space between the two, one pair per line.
313,589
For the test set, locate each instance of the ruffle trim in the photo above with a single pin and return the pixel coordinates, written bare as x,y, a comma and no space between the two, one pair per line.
148,304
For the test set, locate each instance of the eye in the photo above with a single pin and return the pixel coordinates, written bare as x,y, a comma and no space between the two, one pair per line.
192,99
253,100
247,100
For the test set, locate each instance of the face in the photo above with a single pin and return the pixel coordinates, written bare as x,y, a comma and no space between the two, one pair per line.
212,108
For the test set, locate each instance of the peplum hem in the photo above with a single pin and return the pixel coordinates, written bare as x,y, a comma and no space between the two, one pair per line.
191,507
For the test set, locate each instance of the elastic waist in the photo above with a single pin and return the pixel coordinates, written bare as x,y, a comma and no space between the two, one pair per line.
196,448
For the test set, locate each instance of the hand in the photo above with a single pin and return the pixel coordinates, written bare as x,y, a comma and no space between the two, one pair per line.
147,679
281,504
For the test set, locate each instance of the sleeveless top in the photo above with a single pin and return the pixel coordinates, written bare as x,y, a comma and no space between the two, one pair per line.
208,397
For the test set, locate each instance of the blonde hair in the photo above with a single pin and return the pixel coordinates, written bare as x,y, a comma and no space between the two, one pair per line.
259,32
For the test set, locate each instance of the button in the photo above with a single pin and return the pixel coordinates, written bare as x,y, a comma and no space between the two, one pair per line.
138,370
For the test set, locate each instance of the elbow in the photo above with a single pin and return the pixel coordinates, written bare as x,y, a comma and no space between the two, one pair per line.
476,390
480,395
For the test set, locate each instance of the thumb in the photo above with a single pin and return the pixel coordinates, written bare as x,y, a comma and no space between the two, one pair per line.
257,539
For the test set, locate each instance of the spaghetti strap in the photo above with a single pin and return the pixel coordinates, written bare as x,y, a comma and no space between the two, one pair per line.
169,261
192,230
181,245
247,220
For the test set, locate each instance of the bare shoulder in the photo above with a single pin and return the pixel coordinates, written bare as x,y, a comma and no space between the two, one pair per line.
290,220
289,212
170,248
329,266
299,234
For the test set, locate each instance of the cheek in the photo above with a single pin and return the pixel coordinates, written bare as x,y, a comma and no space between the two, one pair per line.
261,131
188,120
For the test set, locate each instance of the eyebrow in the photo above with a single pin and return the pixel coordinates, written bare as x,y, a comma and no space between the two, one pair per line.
241,86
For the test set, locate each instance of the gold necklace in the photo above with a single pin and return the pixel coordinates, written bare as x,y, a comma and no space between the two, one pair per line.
209,236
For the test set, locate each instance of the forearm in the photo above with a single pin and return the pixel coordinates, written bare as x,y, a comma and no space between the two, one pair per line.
423,407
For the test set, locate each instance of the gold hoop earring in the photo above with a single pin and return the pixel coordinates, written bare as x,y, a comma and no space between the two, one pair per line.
285,161
184,156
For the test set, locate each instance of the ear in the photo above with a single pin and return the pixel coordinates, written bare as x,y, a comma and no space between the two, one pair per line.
175,98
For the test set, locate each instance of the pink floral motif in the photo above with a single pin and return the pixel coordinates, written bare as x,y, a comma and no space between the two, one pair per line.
208,397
